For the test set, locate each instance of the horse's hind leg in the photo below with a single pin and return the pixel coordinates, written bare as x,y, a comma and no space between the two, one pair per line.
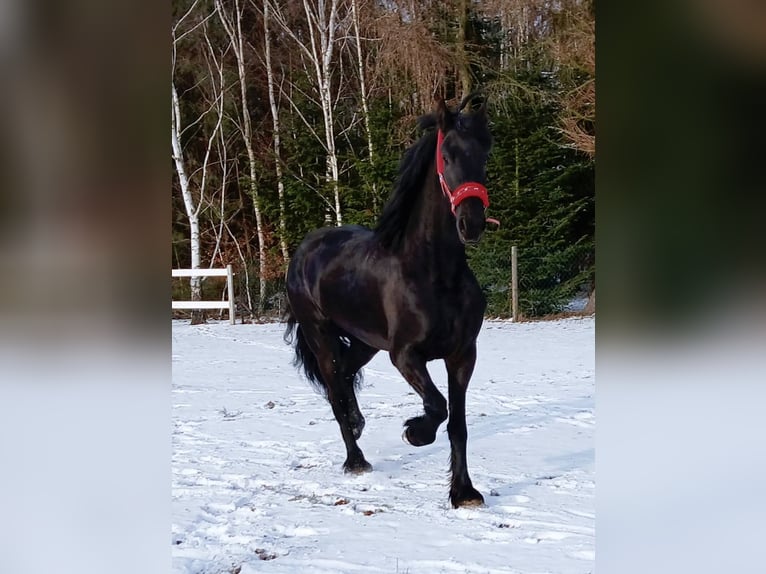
328,351
354,357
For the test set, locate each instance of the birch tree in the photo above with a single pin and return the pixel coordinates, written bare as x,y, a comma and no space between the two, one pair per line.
232,24
322,23
363,95
276,131
193,205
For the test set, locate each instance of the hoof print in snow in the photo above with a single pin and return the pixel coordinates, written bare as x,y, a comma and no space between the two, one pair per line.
541,480
340,502
270,405
229,416
265,554
235,569
493,492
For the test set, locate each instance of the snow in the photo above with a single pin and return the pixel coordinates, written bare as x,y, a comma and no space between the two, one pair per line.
257,455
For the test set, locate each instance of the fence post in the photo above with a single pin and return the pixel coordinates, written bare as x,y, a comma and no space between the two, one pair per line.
514,285
230,284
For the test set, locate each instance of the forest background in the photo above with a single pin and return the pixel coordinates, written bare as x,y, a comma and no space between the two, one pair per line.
287,116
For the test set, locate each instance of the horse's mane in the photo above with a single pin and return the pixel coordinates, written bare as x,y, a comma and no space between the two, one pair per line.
413,169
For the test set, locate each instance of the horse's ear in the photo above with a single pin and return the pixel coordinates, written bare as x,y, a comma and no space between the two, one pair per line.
444,119
482,111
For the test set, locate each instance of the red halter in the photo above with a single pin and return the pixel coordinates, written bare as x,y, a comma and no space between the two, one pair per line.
464,190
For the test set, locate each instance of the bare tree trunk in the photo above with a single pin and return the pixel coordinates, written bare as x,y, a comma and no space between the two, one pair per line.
319,50
277,142
192,210
218,94
463,63
326,30
245,272
365,108
590,306
504,32
234,31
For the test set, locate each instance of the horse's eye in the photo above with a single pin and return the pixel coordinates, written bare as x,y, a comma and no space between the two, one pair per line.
445,158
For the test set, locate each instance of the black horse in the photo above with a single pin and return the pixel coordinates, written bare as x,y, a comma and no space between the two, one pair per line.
404,287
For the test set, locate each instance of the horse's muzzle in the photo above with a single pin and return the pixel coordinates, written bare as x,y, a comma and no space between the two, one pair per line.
470,230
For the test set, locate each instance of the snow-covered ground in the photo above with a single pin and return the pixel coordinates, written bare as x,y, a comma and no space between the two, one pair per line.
257,455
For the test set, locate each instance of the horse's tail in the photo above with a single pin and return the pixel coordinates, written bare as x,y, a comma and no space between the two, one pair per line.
304,356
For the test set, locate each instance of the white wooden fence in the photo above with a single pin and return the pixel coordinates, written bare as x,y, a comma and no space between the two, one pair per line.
208,304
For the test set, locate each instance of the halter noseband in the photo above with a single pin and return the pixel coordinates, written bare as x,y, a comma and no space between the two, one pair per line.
464,190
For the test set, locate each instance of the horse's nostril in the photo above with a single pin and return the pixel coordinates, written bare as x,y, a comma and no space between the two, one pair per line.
461,225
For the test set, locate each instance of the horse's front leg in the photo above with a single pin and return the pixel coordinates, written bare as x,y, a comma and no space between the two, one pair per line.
420,430
459,371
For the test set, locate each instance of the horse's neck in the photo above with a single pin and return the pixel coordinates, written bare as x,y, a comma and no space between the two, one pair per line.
431,239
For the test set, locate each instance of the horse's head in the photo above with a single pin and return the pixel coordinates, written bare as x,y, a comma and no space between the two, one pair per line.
462,150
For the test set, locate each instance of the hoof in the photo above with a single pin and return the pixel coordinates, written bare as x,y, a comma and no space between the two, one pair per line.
418,432
358,467
468,499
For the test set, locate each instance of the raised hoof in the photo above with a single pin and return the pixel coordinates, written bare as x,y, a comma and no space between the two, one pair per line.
467,499
358,467
418,432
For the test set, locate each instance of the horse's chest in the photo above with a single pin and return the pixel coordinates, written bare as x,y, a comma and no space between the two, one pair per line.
456,319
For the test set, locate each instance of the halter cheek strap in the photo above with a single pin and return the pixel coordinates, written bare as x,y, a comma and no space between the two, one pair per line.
464,190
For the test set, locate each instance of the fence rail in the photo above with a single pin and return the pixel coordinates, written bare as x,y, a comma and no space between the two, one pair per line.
208,304
202,272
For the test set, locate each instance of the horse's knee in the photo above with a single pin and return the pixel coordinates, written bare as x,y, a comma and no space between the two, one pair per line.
436,407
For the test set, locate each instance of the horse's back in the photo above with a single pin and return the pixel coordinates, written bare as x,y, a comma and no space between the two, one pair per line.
337,276
322,248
